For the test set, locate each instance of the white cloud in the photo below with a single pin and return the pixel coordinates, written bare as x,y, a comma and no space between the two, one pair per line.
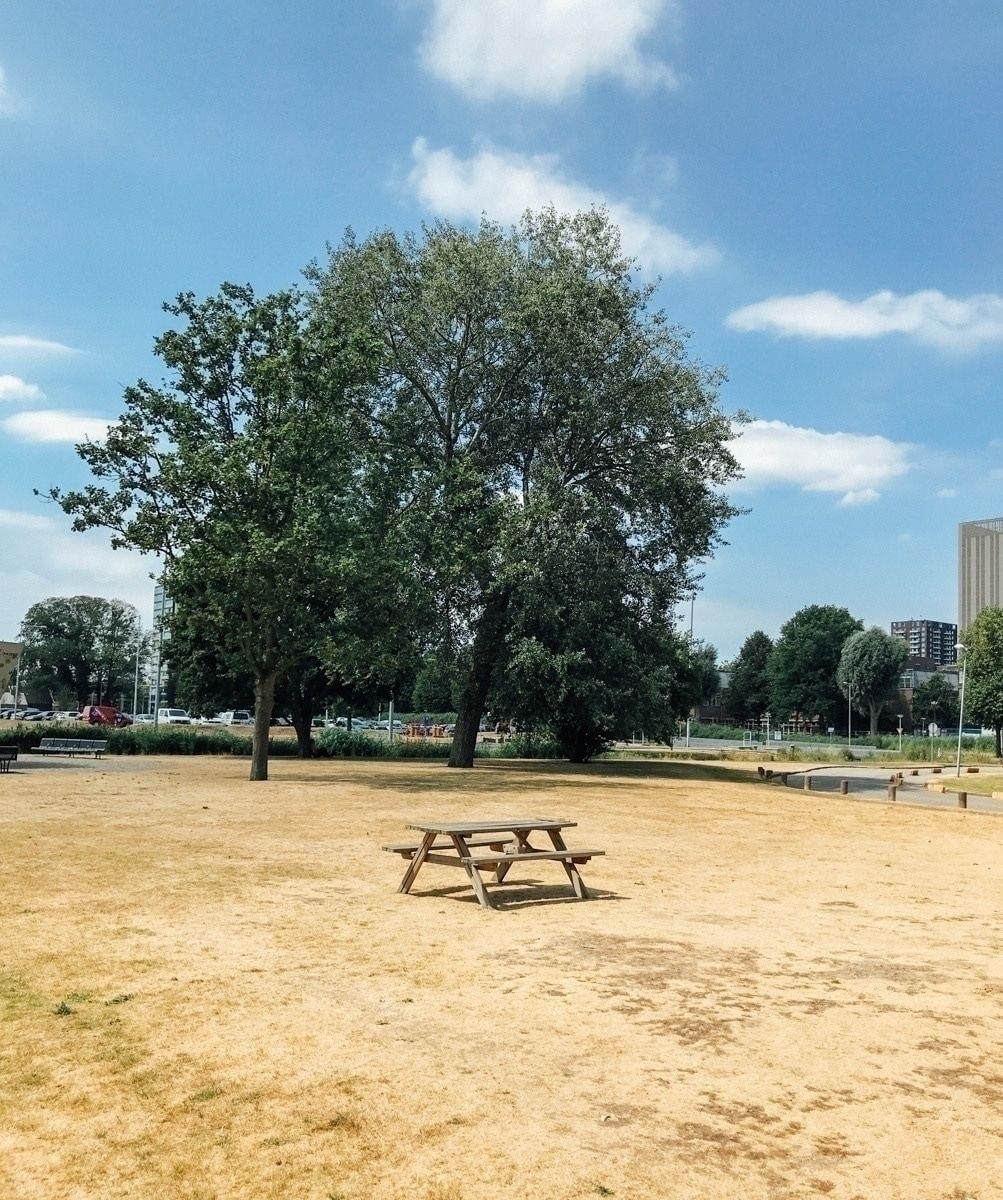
68,564
13,388
863,496
504,184
929,317
55,425
947,493
855,465
543,49
9,519
10,106
20,343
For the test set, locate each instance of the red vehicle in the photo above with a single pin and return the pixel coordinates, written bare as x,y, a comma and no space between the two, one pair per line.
104,714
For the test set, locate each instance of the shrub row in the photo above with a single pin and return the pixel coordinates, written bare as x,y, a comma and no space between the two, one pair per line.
331,743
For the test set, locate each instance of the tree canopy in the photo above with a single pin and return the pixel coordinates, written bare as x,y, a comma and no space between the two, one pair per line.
79,647
239,473
804,662
749,682
525,390
870,664
935,700
983,667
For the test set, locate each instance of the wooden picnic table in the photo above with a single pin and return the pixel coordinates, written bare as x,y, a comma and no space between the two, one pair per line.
452,844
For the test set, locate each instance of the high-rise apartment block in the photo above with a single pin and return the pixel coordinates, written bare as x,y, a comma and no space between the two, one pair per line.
930,642
980,568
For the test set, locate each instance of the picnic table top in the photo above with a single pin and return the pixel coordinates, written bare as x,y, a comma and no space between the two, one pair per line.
501,825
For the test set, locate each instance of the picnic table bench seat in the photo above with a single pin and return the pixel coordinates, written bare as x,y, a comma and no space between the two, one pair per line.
8,754
492,860
71,746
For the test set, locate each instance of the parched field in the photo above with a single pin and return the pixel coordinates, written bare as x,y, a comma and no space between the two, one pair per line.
212,989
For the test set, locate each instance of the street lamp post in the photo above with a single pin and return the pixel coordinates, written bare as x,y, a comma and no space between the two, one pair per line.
961,706
849,716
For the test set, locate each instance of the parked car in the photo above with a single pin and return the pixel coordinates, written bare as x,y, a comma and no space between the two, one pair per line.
104,714
144,718
173,716
45,715
234,716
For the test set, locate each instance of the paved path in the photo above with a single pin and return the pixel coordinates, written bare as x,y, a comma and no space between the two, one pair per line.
871,783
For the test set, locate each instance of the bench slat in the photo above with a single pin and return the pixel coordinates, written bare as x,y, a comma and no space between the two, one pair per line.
412,848
492,860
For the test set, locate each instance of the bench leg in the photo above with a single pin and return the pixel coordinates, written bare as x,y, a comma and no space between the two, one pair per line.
415,865
476,882
572,872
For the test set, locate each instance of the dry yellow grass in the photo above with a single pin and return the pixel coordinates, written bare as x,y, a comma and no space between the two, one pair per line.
210,989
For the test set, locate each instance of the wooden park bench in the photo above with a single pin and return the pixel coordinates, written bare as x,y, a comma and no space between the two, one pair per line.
449,844
71,746
8,754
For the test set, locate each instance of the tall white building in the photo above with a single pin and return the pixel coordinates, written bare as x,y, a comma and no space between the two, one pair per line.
980,568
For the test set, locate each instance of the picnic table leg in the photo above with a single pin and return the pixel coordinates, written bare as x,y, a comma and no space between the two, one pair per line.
415,864
476,882
572,872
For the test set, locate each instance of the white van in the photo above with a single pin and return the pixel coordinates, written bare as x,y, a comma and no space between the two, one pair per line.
173,716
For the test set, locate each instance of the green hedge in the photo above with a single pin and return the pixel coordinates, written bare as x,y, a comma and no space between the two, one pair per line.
336,743
139,739
330,743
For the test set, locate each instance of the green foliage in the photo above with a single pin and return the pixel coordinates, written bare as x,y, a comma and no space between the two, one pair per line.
804,662
79,646
935,700
144,739
240,473
525,393
870,665
983,666
749,683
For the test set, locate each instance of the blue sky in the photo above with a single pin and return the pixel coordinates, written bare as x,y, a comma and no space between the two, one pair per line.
817,186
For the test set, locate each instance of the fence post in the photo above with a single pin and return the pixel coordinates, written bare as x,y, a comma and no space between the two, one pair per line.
962,799
806,783
892,789
844,786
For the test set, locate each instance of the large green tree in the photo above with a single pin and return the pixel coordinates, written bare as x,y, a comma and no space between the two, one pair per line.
240,472
590,652
749,680
870,665
523,378
935,700
79,647
804,663
983,667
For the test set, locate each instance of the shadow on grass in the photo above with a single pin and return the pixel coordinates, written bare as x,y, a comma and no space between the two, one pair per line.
521,893
538,775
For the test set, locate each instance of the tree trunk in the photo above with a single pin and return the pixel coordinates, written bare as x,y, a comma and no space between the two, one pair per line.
999,741
301,711
875,709
264,702
487,644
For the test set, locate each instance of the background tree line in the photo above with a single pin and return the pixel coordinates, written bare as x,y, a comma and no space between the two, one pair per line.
824,660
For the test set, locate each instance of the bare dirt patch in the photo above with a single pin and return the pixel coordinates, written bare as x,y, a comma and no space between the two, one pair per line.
210,989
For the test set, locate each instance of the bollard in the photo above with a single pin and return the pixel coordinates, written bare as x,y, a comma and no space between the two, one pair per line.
891,791
844,786
762,772
962,799
806,783
935,770
914,772
972,770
